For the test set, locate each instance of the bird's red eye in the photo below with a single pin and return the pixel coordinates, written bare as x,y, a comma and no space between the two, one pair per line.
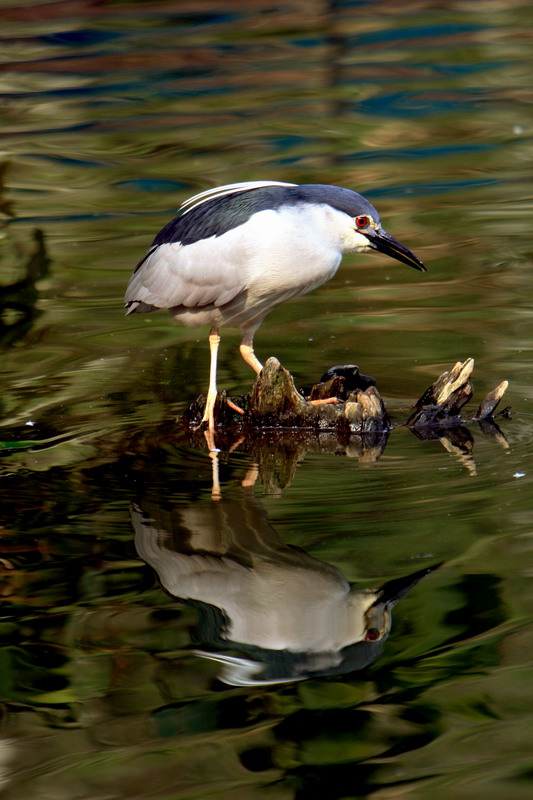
361,222
371,635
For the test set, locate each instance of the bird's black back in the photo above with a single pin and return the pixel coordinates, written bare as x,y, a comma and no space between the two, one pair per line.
217,216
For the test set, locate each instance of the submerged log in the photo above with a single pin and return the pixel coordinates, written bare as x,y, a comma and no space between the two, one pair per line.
339,381
490,402
442,402
274,402
345,402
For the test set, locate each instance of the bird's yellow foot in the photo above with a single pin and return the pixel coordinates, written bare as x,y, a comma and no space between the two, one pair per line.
234,406
324,401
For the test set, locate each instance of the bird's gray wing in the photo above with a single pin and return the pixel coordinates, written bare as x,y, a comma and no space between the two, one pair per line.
209,272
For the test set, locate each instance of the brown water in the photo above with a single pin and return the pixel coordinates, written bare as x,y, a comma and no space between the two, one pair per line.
265,682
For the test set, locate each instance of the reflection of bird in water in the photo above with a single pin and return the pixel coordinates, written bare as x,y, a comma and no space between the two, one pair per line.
288,614
236,252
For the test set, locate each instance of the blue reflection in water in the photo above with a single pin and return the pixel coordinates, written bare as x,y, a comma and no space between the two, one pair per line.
421,104
79,38
418,32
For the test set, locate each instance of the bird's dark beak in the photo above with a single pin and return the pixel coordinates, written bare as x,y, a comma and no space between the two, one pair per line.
385,243
394,590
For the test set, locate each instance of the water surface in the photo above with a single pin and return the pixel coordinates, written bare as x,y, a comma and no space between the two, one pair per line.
114,686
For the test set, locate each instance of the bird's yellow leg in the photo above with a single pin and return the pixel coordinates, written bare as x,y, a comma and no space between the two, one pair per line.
216,493
247,352
209,417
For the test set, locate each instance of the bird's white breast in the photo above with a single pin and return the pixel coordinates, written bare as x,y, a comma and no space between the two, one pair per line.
294,248
238,277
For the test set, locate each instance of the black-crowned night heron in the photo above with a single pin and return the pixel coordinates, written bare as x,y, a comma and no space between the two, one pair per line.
236,252
293,614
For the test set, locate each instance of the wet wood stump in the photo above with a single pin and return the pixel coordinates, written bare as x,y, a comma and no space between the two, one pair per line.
346,402
442,402
342,402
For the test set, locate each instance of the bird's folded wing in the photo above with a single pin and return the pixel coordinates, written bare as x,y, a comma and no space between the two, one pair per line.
201,274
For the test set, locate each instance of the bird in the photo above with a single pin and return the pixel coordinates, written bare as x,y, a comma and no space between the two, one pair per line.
235,252
284,614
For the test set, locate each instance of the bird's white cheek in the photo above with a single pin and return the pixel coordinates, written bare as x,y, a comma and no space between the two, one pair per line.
356,242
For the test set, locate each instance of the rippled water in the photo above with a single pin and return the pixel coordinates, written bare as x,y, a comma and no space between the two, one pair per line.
285,672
